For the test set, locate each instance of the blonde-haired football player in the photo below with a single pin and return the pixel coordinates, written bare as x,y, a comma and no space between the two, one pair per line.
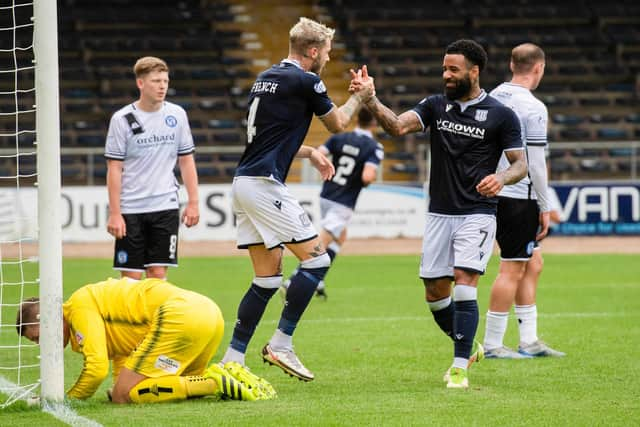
158,337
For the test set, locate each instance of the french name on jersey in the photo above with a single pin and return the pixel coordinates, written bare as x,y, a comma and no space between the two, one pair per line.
264,87
460,129
156,139
350,149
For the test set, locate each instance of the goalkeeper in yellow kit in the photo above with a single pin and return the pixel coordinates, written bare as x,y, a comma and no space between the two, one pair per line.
158,337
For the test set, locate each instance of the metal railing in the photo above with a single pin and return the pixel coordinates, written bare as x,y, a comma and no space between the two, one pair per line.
90,156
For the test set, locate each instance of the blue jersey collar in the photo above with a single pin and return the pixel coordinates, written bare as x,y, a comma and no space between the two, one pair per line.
293,62
477,100
360,131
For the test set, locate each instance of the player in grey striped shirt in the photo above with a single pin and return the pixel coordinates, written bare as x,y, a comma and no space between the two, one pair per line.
523,216
145,140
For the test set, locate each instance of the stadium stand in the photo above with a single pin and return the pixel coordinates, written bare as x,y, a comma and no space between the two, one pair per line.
593,52
592,82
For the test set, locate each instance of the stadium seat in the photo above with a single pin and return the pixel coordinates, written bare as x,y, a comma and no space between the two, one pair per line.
200,138
621,152
408,168
221,124
227,138
575,134
633,118
594,165
230,157
612,133
90,140
604,118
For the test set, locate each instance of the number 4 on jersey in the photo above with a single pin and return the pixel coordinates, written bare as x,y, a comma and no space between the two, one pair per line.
251,129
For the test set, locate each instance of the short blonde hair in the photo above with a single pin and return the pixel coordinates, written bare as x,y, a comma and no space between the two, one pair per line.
308,33
525,56
147,64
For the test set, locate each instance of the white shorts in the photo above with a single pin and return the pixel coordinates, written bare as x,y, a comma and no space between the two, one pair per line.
456,241
268,214
335,216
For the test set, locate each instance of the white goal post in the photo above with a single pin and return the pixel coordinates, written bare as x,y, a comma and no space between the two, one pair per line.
49,219
30,238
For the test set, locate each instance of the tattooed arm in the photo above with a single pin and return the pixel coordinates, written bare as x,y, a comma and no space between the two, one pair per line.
403,124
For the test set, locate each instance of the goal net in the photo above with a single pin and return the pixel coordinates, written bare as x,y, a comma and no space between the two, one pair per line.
30,244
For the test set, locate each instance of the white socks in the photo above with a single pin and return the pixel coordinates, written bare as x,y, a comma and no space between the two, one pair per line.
281,341
527,316
233,355
496,327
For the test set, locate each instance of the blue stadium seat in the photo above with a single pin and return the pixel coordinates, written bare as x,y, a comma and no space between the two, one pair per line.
222,124
208,171
230,157
200,138
621,152
612,133
594,165
604,118
408,168
633,118
575,134
561,166
567,119
91,140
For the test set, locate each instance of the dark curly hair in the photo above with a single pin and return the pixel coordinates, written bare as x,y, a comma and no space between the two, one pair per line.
471,50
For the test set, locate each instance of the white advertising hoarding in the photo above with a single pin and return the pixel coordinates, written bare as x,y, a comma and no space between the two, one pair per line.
382,211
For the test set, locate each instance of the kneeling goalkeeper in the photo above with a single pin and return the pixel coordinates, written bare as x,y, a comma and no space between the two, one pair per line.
158,337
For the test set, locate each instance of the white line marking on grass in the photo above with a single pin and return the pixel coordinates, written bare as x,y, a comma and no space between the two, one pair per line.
68,415
595,314
57,410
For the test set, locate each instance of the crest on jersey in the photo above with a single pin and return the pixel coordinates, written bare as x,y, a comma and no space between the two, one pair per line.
171,121
79,338
481,115
319,87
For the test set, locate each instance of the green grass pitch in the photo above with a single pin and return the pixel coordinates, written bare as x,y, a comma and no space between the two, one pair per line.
379,358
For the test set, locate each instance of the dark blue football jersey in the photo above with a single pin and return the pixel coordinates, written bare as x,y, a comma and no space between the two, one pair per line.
467,140
282,102
350,152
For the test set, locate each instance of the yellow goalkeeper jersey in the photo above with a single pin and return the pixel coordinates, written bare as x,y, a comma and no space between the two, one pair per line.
107,321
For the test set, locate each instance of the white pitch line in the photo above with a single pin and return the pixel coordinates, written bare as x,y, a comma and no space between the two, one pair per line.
68,415
57,410
594,314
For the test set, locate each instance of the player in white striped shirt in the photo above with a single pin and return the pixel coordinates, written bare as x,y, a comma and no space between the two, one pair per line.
145,140
523,215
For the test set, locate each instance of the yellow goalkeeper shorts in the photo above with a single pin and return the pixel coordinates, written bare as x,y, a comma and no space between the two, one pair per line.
185,333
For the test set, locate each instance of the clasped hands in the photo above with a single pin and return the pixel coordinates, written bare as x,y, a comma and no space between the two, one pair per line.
361,85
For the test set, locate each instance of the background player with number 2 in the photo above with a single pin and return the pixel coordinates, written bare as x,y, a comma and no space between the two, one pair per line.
356,157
